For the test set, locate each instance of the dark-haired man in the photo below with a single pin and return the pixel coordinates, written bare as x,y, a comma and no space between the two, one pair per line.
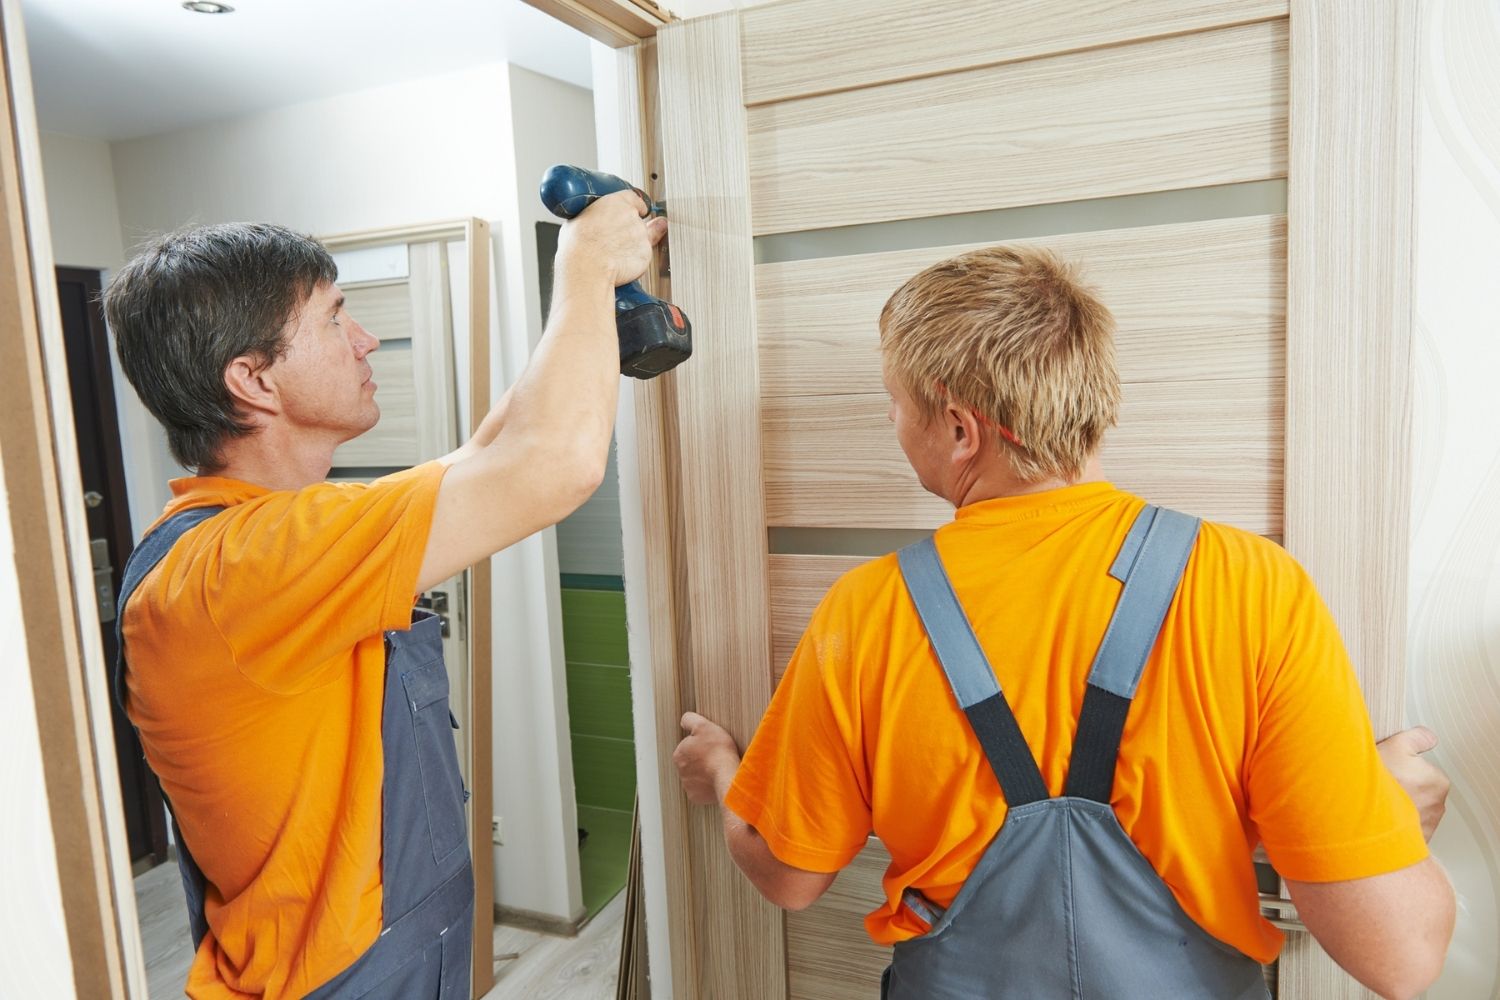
293,705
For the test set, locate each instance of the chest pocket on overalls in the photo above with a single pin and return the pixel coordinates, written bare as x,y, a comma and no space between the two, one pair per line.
432,729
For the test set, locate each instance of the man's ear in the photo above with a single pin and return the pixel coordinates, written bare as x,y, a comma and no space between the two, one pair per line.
252,387
964,432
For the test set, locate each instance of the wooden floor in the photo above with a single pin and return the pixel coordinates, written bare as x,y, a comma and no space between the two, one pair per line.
548,968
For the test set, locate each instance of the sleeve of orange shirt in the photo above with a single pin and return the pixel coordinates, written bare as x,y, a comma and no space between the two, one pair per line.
802,782
297,578
1326,807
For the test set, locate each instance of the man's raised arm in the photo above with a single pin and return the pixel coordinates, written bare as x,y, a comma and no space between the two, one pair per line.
541,452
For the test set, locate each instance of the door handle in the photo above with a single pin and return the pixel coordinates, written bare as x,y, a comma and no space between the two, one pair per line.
104,575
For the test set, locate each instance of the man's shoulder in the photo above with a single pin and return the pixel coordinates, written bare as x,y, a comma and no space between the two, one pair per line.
1246,552
867,580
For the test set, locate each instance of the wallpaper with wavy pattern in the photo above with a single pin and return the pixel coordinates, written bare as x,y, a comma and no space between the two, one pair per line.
1454,680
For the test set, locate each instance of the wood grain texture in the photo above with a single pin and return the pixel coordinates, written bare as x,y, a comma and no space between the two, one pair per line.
481,651
654,569
1210,448
798,583
739,936
1202,300
829,955
1350,191
1207,108
616,23
786,51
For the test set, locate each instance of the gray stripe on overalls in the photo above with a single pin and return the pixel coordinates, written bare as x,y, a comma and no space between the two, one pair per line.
427,881
1062,904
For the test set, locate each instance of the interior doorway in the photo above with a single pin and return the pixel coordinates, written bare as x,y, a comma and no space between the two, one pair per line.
107,509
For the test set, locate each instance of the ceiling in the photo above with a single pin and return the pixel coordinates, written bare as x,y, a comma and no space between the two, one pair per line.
118,69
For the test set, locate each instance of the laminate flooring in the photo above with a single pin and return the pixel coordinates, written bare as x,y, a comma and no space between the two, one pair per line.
547,967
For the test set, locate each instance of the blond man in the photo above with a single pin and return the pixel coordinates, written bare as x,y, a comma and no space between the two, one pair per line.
1071,716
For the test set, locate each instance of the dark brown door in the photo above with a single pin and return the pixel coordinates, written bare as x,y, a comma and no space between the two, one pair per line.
110,537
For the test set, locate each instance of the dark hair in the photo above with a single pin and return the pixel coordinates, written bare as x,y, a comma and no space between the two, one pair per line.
190,302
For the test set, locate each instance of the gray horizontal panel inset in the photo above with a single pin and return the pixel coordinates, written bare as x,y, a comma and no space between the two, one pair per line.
871,542
1220,201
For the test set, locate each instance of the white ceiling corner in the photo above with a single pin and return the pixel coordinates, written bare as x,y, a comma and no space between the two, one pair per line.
118,69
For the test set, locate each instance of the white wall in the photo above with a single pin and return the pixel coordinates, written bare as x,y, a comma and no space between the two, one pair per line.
81,207
421,151
548,118
551,122
1454,678
83,214
34,956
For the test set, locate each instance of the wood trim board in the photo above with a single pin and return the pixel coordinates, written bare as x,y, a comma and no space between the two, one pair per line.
655,585
1350,241
738,935
786,52
481,652
62,643
1180,112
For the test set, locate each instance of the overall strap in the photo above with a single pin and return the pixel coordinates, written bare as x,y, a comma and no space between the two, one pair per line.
970,675
152,550
1150,564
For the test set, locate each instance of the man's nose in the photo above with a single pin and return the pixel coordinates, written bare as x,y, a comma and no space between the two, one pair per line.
363,340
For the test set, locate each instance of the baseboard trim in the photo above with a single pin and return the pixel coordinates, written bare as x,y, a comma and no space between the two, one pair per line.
542,923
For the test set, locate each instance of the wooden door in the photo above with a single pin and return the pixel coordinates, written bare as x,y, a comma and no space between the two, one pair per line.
1236,176
107,514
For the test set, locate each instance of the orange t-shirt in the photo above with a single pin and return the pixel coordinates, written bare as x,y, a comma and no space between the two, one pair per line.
1248,724
257,679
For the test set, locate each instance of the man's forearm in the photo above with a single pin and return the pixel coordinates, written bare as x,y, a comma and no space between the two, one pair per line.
788,887
569,391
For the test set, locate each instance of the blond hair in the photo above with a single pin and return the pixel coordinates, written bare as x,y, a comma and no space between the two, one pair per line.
1013,334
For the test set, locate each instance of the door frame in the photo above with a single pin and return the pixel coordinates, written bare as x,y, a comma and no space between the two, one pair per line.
1352,74
63,647
478,721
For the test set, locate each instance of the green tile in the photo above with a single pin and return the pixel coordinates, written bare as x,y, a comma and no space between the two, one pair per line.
599,701
604,772
604,858
594,627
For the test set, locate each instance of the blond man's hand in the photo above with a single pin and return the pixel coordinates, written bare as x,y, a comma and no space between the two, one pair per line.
1423,780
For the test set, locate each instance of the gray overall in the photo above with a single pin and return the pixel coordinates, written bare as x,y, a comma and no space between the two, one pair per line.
427,881
1062,904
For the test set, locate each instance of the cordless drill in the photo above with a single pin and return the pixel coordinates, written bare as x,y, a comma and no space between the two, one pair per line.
654,335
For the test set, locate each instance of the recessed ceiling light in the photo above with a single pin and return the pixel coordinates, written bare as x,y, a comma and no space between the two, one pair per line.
207,7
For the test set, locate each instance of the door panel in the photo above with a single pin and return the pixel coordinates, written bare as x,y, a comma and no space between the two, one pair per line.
1210,446
1201,300
1207,108
920,112
787,51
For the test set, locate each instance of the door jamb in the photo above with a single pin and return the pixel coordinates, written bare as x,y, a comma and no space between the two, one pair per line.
64,649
